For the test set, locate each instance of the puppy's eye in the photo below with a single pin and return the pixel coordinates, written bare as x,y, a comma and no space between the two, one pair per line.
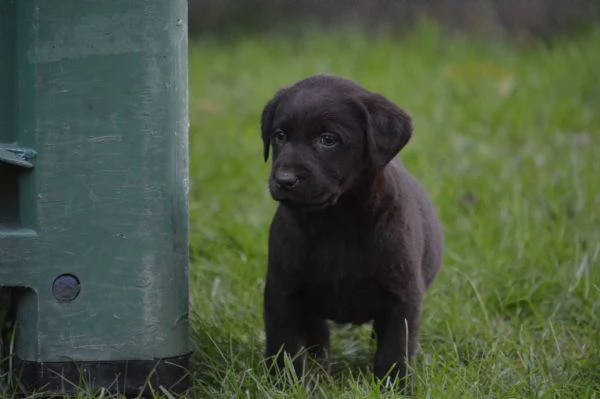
279,135
328,140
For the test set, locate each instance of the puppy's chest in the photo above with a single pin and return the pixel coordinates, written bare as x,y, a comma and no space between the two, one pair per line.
343,280
344,300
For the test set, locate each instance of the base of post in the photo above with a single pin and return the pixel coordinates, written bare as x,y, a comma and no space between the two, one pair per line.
126,377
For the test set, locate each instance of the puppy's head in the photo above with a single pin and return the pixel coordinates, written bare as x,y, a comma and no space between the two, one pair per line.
325,133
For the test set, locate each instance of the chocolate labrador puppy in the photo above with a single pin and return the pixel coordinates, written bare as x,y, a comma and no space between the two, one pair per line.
354,238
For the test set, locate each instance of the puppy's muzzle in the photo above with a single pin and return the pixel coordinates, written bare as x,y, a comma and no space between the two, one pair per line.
285,180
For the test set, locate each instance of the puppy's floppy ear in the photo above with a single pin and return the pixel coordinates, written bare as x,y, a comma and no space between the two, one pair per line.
266,123
388,130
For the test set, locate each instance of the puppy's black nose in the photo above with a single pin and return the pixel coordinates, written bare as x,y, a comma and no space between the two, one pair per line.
285,180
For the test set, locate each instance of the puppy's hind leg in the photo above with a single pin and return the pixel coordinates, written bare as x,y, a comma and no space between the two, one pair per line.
373,336
397,334
316,333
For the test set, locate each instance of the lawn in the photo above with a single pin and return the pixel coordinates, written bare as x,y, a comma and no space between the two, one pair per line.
506,143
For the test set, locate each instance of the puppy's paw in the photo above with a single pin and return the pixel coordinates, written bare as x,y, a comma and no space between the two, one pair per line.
318,360
396,379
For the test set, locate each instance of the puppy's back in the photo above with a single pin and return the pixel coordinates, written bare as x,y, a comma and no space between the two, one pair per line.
416,206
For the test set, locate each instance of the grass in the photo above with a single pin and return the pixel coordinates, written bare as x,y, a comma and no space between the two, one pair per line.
506,143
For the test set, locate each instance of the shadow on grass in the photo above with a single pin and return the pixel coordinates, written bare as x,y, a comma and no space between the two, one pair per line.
233,364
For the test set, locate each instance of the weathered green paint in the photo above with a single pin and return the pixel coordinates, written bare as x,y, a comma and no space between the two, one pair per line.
95,93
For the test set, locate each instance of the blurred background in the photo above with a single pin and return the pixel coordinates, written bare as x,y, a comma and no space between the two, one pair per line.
531,19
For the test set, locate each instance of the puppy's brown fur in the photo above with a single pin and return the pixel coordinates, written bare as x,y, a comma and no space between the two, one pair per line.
355,238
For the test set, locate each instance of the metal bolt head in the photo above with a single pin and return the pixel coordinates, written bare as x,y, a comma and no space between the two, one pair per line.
66,288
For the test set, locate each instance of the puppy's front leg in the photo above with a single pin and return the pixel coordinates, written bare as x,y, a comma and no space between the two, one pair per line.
397,332
282,328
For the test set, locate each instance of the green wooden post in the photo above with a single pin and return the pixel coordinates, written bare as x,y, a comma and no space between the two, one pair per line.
93,191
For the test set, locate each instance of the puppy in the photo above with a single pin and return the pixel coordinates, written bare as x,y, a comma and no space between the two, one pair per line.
354,238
